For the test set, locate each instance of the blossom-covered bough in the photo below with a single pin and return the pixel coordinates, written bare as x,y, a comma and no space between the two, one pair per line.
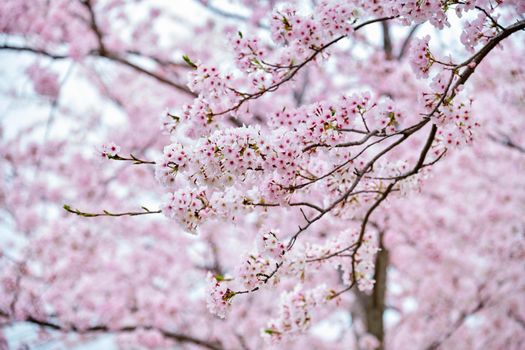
309,162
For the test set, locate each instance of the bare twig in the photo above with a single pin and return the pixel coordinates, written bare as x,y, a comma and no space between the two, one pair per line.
145,211
131,158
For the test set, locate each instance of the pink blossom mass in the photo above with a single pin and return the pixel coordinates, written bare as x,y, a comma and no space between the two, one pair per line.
262,174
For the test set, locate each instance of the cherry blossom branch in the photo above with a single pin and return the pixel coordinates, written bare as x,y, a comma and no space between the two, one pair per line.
145,211
108,55
331,255
296,68
389,188
471,64
267,277
406,131
404,135
360,173
484,51
131,158
492,19
179,337
355,246
299,204
365,138
153,75
357,131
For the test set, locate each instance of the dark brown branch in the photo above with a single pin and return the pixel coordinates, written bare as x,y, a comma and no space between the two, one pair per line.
492,19
94,26
33,50
179,337
110,56
484,51
140,69
131,158
471,64
422,156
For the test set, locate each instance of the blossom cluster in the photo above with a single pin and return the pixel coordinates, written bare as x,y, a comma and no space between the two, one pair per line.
365,259
174,158
249,53
189,206
304,33
433,11
457,125
295,311
353,254
108,150
218,295
301,37
478,31
399,169
255,270
420,57
240,168
215,96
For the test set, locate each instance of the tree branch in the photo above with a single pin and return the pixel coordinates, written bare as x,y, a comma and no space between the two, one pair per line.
505,140
107,213
179,337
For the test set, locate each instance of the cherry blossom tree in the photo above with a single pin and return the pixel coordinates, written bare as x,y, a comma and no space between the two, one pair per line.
323,175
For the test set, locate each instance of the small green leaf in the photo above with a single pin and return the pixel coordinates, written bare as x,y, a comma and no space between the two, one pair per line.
189,62
219,277
271,331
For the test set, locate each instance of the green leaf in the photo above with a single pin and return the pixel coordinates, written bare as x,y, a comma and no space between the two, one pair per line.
189,62
219,277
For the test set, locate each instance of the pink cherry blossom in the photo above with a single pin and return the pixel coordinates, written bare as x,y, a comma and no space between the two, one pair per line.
324,174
